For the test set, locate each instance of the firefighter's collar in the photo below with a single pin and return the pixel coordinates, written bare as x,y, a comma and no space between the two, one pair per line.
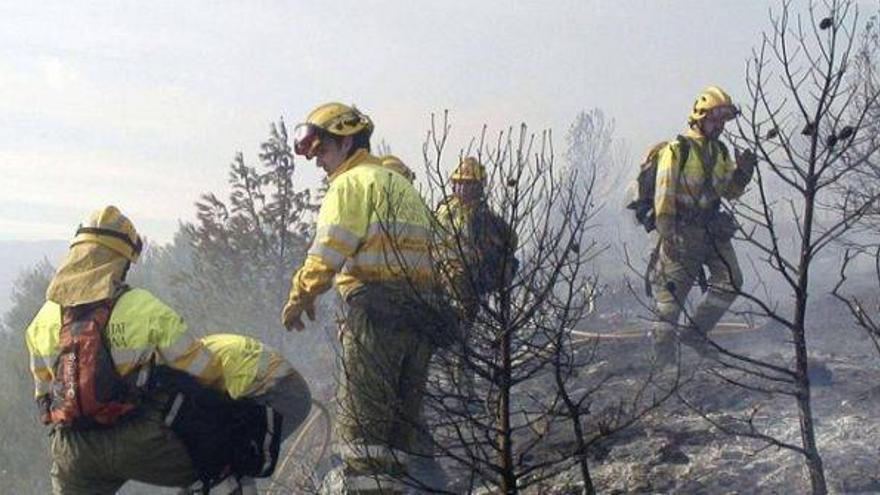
695,134
360,157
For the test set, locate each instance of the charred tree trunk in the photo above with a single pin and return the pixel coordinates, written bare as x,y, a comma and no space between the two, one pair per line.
799,337
574,411
505,439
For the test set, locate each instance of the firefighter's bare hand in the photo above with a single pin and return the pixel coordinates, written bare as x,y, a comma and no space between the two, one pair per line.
291,315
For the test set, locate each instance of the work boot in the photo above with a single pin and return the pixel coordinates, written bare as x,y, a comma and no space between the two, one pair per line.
227,486
248,485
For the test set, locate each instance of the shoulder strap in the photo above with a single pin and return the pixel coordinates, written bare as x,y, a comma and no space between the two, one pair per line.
99,310
684,149
725,153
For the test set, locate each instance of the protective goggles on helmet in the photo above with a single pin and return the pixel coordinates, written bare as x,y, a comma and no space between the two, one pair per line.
306,140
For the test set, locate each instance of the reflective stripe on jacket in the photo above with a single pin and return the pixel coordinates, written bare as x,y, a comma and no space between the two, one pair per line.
249,367
140,327
372,227
474,243
680,188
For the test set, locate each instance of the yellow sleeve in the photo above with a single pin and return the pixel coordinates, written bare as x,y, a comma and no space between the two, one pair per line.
444,215
342,225
311,280
666,185
40,371
41,339
240,356
177,348
731,179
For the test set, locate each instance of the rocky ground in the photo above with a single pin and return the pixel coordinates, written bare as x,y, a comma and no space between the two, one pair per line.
676,450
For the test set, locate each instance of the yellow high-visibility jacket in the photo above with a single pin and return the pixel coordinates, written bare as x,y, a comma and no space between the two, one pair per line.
465,222
455,217
393,163
250,367
473,237
680,189
373,226
141,328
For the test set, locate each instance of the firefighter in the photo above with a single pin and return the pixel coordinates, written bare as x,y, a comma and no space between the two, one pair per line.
693,231
478,258
256,371
373,236
102,436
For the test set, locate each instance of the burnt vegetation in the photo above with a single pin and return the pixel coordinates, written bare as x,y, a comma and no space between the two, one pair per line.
548,387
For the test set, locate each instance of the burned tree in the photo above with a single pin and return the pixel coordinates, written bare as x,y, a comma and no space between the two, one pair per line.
865,188
504,399
799,119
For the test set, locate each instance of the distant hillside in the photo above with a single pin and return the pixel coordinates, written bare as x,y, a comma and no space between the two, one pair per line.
16,256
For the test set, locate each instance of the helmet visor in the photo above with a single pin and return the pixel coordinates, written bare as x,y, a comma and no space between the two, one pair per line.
306,139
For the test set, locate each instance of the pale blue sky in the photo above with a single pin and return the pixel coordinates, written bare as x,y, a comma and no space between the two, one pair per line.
143,104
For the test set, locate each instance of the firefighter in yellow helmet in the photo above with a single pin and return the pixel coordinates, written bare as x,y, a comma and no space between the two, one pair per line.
695,172
478,256
104,432
485,240
391,162
373,236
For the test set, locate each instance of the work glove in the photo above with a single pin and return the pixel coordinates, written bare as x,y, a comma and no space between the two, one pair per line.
745,166
745,159
672,245
670,241
291,315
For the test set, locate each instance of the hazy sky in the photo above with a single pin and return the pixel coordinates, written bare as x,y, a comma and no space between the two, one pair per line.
143,104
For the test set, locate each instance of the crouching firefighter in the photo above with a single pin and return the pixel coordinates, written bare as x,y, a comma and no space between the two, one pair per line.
236,436
694,173
272,401
92,347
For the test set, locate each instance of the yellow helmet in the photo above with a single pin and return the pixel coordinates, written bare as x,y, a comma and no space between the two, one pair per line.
391,162
710,99
110,228
469,170
331,118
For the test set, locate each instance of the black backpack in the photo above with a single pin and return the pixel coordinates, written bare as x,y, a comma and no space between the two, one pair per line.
256,432
494,240
221,435
643,204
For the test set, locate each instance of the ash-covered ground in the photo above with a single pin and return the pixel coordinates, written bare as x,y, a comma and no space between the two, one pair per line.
674,449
